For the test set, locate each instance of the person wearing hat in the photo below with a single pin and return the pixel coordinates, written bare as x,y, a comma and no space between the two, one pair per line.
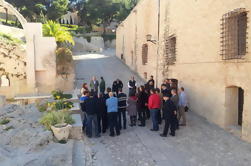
169,115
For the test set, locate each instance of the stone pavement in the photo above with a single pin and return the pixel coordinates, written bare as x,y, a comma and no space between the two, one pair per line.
200,143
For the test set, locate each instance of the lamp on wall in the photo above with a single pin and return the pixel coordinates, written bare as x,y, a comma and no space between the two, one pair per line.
149,39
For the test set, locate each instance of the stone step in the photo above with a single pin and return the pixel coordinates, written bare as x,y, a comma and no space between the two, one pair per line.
79,155
76,130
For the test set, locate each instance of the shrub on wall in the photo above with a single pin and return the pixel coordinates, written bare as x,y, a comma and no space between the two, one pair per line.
61,34
10,39
64,60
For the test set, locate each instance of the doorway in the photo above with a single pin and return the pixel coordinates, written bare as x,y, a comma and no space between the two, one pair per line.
240,105
234,106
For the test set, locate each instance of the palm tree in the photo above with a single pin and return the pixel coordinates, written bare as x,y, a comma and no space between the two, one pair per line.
61,34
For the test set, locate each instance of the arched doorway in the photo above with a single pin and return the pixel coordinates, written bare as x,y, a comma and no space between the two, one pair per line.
234,106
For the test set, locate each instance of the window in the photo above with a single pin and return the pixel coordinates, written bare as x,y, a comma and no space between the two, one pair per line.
234,34
144,54
170,46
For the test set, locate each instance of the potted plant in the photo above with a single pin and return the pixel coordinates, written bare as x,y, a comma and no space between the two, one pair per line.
61,131
59,122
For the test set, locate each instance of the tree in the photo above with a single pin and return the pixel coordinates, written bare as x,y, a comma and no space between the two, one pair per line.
34,9
125,8
30,9
53,29
103,12
57,8
98,12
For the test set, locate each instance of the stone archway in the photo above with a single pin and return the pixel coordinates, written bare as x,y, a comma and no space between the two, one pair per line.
10,8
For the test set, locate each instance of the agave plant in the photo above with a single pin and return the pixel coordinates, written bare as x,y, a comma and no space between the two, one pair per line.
61,34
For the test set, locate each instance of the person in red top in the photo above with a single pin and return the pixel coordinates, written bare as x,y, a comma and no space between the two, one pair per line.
154,103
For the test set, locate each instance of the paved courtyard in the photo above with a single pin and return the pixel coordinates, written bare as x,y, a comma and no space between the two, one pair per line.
200,143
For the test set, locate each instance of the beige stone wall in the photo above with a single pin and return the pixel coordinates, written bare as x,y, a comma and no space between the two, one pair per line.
41,59
199,66
13,65
132,32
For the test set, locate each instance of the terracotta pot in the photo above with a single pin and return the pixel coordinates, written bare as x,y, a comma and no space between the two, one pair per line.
61,131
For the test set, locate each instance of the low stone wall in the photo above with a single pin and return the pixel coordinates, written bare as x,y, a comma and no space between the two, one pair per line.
82,45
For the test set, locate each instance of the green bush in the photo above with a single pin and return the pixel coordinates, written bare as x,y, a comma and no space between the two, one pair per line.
42,107
75,28
109,37
4,121
8,128
60,105
10,39
56,117
57,95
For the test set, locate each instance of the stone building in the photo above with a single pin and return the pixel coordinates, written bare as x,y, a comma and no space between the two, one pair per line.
204,45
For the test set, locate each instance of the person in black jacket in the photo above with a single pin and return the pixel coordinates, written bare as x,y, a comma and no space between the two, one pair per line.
116,85
132,85
165,90
122,98
90,108
169,114
151,83
142,105
102,113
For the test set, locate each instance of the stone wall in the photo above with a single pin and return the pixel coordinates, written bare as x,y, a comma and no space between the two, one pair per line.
198,66
13,65
131,35
82,45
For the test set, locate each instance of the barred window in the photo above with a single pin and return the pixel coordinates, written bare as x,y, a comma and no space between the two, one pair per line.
170,48
234,34
144,54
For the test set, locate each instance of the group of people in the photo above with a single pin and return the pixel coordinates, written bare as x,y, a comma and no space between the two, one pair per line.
107,108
